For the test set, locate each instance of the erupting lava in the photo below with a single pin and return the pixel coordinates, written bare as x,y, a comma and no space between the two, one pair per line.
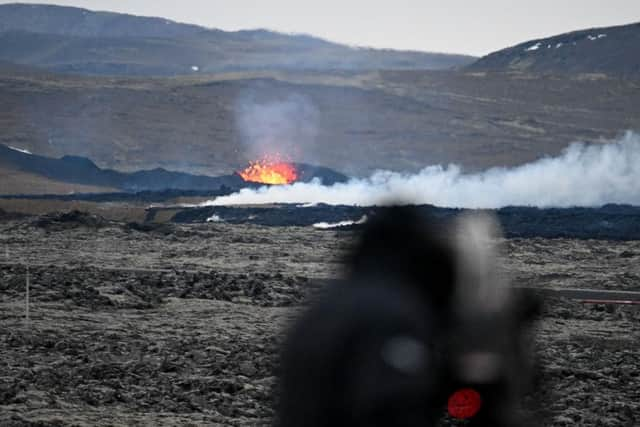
270,171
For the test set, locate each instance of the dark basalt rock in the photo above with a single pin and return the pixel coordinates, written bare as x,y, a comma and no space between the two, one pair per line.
613,222
10,216
72,219
151,227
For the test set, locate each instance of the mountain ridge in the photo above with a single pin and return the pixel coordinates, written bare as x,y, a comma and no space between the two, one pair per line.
75,40
613,51
68,20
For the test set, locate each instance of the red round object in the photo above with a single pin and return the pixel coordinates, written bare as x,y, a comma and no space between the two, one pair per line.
464,403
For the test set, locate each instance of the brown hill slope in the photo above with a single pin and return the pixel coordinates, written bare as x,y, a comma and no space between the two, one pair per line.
352,122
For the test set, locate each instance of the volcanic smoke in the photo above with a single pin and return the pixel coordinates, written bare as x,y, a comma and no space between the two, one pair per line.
583,175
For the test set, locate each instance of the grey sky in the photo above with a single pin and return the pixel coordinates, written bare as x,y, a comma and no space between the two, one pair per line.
471,26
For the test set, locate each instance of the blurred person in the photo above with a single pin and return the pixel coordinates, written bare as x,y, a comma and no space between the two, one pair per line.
423,327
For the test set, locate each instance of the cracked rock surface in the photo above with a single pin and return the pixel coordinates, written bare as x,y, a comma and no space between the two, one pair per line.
184,327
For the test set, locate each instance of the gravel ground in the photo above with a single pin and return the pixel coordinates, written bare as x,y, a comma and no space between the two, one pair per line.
181,325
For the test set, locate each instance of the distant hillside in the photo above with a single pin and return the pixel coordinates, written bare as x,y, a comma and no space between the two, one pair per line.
613,51
75,40
72,21
83,172
351,122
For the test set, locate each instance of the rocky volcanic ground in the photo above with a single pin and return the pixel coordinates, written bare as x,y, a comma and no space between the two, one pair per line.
180,325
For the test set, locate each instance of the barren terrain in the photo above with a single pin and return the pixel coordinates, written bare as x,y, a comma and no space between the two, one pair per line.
181,325
14,181
362,121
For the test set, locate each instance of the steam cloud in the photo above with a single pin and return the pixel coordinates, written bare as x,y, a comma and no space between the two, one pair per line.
269,127
583,175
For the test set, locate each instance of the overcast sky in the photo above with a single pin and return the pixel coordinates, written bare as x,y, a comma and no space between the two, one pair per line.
462,26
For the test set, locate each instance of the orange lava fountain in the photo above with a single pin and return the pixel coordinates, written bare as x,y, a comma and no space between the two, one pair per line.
270,171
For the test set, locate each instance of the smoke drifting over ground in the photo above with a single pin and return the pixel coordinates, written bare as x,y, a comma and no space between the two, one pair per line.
583,175
284,128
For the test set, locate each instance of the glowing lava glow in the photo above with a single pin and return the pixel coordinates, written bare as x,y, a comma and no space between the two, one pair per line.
270,171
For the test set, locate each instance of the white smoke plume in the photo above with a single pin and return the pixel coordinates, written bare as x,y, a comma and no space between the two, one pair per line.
328,225
583,175
272,127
